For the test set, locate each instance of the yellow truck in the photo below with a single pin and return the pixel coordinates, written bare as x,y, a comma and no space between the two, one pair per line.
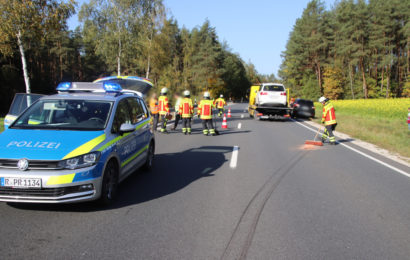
269,100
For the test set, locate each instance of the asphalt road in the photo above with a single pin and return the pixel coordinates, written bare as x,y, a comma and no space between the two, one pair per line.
281,201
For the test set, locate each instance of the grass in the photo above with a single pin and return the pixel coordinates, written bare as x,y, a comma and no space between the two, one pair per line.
377,122
1,124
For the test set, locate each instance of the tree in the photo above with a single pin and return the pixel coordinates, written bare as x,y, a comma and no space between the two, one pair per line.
333,82
23,21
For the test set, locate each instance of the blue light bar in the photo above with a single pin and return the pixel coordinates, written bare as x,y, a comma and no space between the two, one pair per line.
64,86
112,87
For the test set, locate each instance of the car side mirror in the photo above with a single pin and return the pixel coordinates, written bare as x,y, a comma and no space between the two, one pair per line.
126,128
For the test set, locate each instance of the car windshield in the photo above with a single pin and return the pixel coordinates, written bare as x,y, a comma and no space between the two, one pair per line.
21,102
273,88
65,115
305,102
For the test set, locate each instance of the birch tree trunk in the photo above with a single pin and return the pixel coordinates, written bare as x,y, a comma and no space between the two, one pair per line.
119,57
23,62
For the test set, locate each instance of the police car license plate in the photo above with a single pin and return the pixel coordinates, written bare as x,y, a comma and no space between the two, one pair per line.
20,182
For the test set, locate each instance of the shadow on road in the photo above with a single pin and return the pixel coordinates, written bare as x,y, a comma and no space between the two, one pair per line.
171,173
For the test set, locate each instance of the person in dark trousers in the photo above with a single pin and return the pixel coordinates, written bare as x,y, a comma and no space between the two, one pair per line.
163,108
186,110
205,107
220,104
329,120
177,114
153,106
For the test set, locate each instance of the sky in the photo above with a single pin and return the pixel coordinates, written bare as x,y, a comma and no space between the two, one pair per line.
257,30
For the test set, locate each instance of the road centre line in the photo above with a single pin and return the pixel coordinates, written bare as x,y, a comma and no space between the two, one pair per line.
239,125
362,153
234,158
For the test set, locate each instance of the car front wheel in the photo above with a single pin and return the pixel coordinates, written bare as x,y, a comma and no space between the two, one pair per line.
150,157
109,189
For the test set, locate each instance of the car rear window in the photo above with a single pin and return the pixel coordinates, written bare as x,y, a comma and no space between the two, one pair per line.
305,102
273,88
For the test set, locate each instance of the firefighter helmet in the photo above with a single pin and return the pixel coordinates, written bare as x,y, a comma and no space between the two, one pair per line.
164,91
322,99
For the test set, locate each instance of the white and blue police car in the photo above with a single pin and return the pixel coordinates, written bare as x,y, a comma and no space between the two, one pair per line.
77,145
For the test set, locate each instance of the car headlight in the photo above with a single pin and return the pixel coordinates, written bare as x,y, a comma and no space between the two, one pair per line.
81,161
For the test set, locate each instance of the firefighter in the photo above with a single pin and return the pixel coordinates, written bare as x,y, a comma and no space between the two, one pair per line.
163,108
186,110
329,120
408,117
220,104
205,107
153,106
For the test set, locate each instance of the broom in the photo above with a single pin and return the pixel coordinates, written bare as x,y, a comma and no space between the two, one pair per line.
314,142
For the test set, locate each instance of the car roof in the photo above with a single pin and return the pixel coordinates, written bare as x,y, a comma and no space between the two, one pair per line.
301,99
271,83
89,96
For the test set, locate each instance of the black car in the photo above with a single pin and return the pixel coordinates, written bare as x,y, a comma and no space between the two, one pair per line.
303,108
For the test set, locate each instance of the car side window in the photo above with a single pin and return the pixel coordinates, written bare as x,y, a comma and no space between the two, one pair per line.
137,112
144,107
122,116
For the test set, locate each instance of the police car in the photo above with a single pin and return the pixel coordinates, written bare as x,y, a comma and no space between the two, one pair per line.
77,145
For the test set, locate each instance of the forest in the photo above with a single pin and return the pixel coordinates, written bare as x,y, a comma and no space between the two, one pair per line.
115,37
357,49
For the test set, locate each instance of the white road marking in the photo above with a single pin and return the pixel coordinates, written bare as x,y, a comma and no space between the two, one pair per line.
364,154
234,158
239,125
242,116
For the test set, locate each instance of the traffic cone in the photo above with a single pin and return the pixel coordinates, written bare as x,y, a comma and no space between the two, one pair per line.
224,123
229,113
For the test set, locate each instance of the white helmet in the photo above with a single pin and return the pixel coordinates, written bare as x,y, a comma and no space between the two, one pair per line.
207,95
164,91
187,93
322,99
221,96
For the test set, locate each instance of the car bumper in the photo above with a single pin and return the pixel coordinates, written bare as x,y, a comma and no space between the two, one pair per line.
78,190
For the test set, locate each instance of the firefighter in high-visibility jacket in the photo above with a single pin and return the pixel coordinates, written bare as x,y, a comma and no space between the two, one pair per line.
186,110
163,108
220,104
205,107
153,106
329,120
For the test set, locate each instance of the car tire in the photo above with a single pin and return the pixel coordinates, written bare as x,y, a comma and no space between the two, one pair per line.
109,185
150,157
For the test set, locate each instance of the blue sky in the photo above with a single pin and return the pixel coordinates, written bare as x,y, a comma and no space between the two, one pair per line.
257,30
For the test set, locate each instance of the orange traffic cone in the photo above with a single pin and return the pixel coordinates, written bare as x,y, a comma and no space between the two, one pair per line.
229,113
224,123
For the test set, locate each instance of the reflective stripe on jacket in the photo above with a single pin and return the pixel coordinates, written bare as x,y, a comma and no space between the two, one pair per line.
205,109
186,109
153,106
220,103
329,115
163,105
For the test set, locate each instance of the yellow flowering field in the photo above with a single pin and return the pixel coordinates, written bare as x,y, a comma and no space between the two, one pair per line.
382,108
